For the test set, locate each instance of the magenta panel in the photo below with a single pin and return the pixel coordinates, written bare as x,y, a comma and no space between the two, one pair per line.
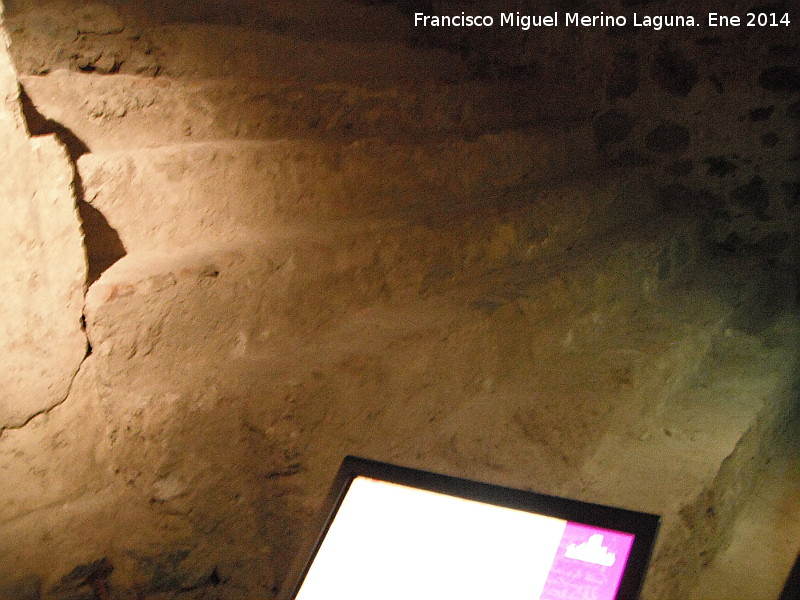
589,564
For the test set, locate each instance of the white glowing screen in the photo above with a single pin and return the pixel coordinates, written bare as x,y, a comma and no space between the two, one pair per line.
395,542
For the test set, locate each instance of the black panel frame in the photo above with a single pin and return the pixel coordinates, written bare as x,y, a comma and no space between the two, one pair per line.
644,526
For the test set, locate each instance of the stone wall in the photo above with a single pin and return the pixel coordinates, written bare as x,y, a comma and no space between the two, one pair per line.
313,230
709,115
42,264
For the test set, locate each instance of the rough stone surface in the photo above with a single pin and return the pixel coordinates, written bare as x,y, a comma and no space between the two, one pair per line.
719,166
313,230
612,127
673,71
624,80
752,197
780,79
27,588
668,138
42,265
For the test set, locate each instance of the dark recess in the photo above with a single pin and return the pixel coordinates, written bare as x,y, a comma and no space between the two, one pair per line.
103,244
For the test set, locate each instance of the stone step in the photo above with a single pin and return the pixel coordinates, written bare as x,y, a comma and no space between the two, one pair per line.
622,371
617,335
169,197
204,50
314,19
339,20
672,407
99,39
219,295
771,515
693,449
125,111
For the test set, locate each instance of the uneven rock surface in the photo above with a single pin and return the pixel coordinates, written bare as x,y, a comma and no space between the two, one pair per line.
313,231
42,265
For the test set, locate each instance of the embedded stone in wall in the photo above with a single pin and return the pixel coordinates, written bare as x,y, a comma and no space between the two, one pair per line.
719,166
668,138
42,263
780,79
770,139
624,80
762,113
752,197
680,168
673,72
791,191
612,127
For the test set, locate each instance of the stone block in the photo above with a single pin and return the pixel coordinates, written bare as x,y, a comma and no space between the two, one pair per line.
42,265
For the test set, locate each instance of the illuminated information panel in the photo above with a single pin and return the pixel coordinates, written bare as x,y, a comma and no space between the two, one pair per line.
396,534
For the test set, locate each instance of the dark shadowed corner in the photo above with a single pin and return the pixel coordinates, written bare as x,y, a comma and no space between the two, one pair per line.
103,244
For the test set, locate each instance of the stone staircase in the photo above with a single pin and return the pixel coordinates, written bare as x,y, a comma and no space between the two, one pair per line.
325,244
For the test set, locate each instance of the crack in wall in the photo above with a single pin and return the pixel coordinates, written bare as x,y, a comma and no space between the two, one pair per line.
44,262
101,243
77,370
47,410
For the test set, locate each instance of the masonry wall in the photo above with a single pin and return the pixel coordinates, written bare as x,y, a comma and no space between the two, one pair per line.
241,241
709,114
